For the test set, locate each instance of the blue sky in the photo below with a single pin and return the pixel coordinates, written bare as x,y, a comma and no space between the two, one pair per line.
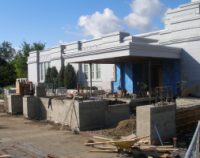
54,21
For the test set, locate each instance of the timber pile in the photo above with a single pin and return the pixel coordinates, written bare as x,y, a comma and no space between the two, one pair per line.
134,146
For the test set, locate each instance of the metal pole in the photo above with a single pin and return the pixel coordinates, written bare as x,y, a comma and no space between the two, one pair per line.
149,76
90,79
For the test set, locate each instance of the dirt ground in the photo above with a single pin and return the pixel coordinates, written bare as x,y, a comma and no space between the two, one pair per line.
24,138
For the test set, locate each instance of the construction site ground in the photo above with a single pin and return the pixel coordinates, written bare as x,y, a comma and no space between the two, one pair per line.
22,138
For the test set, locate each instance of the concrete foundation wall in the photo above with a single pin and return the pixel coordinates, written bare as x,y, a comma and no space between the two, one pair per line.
15,104
149,117
84,115
31,107
116,113
92,114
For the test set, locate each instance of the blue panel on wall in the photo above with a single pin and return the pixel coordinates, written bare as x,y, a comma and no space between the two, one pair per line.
128,78
137,76
117,83
124,77
171,74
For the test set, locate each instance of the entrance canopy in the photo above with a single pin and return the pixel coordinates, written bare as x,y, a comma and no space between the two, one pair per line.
118,47
124,50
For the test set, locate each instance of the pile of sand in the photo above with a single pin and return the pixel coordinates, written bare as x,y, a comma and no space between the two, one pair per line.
124,128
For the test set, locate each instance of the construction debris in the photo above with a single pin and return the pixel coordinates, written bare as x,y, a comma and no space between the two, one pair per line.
131,146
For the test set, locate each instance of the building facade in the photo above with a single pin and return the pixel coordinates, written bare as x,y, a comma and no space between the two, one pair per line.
121,61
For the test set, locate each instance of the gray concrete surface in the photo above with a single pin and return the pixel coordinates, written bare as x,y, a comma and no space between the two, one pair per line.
116,113
31,107
15,104
40,90
85,115
24,138
163,117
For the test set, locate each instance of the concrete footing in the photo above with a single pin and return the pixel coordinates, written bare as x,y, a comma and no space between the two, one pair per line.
151,120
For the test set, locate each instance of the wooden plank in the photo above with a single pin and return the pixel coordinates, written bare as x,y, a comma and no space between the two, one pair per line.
104,151
102,138
117,141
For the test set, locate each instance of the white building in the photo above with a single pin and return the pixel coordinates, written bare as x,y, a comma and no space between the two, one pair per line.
120,60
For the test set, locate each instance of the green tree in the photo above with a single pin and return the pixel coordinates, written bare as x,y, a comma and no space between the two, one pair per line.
61,76
51,77
48,76
20,61
70,77
54,76
7,73
20,65
38,46
7,53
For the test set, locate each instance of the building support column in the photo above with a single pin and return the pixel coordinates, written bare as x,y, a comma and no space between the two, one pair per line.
90,79
38,66
149,77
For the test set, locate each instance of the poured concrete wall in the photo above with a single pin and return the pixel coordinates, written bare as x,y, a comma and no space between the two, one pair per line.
86,115
116,113
92,114
15,104
31,107
150,117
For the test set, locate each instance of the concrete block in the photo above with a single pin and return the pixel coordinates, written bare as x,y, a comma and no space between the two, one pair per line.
15,104
116,113
163,117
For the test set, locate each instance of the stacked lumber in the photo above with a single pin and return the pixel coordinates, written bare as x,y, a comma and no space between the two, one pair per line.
130,146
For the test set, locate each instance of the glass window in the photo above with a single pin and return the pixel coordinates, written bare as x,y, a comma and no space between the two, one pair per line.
41,71
92,71
46,65
86,71
98,71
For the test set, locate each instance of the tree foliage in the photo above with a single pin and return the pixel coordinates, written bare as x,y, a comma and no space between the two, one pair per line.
61,76
48,76
7,53
7,73
51,76
14,64
70,77
20,61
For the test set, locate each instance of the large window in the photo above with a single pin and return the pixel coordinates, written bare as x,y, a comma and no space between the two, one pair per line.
43,70
86,70
98,71
95,72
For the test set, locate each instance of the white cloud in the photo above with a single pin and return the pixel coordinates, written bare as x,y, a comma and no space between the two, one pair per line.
98,23
143,14
142,18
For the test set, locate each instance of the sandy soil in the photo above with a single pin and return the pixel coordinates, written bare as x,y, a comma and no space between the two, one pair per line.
24,138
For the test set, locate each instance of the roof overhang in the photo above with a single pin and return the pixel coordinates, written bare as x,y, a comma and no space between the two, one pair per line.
123,52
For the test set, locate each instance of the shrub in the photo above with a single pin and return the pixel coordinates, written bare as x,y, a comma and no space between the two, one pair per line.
69,77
